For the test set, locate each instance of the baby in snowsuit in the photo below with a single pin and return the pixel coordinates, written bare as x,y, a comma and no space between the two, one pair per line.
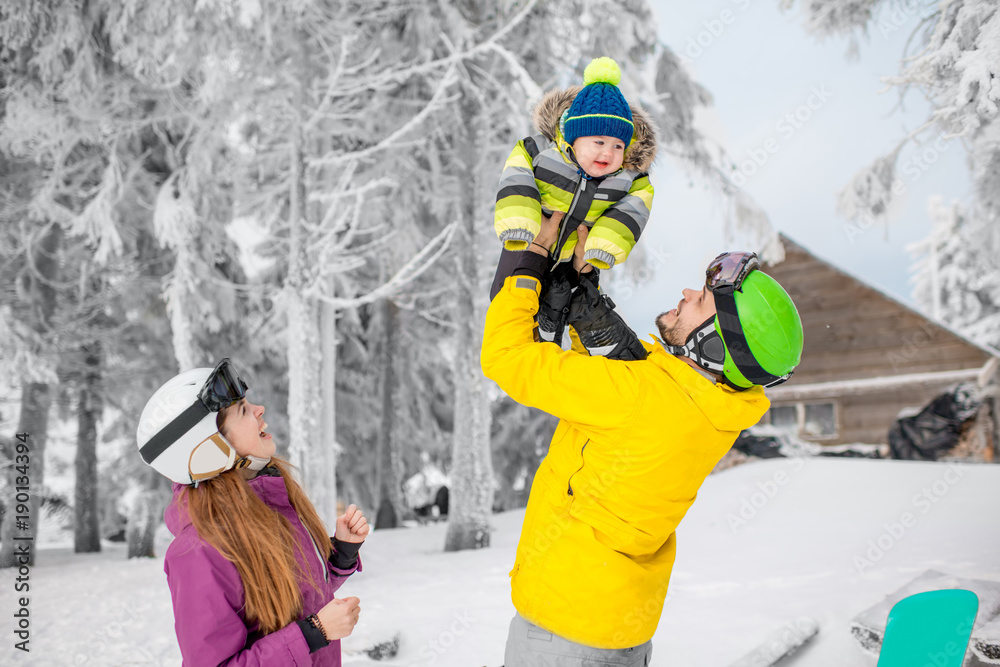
590,161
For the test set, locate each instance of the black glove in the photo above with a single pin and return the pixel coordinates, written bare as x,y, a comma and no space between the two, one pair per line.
601,330
554,302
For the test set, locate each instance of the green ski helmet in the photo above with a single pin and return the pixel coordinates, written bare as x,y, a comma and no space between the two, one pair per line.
755,337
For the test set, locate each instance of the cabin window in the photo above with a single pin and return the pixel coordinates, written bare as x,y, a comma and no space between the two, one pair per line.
820,420
785,417
814,421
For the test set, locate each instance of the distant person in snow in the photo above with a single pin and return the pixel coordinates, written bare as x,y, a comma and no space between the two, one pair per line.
252,571
635,442
590,160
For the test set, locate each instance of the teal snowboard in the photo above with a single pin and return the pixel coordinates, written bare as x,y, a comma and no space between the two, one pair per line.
931,628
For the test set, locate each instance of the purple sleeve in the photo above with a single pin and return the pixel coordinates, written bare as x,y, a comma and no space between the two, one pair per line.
207,592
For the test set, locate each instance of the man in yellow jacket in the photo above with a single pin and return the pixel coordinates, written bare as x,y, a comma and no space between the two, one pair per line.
635,441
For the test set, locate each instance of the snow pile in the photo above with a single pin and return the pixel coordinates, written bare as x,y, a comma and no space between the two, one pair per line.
985,642
766,543
780,644
825,538
785,443
869,626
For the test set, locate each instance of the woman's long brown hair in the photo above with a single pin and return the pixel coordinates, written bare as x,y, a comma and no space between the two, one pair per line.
259,541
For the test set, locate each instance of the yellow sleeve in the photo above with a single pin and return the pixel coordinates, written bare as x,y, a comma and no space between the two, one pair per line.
618,229
579,388
575,344
518,213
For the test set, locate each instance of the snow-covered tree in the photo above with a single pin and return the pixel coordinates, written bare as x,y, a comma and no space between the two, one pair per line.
149,140
28,273
286,131
501,59
57,193
957,280
102,132
955,64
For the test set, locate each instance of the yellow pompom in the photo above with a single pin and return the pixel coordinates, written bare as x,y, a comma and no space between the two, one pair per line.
602,70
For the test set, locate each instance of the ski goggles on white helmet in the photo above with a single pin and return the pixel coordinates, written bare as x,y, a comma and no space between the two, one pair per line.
223,387
184,442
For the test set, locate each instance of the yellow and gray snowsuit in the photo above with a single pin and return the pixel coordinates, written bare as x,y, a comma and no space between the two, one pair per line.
542,175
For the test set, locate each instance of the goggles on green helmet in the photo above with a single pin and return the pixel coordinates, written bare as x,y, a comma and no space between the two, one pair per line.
223,387
724,277
727,272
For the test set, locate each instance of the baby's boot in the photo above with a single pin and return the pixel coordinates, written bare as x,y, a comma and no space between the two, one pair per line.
553,303
601,330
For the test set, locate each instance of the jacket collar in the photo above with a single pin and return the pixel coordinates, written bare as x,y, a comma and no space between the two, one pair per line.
270,487
726,408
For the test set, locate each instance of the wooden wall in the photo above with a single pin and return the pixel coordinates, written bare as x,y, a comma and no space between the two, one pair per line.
866,418
853,332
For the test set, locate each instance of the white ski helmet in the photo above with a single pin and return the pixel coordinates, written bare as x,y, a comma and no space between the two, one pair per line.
177,433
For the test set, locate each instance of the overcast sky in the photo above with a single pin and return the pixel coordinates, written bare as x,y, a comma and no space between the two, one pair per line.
759,64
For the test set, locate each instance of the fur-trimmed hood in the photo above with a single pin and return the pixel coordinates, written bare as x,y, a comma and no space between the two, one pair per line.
640,153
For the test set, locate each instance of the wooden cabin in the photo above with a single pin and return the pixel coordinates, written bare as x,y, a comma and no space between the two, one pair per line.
868,358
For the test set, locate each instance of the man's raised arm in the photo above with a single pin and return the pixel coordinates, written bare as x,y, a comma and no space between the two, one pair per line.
581,389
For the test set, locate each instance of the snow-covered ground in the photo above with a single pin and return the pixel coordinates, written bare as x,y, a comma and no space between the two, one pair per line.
765,543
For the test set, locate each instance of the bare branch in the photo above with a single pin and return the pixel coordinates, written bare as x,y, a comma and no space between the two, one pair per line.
389,141
422,261
376,81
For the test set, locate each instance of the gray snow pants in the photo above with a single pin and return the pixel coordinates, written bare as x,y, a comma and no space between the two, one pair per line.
530,646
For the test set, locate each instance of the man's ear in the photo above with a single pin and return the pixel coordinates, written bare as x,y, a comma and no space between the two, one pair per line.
714,349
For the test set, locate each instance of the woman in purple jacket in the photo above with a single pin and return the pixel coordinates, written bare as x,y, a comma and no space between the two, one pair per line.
252,571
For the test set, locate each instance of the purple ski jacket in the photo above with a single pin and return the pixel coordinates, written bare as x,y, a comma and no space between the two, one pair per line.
208,595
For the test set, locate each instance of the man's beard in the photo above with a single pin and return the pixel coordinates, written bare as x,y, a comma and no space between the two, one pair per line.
670,335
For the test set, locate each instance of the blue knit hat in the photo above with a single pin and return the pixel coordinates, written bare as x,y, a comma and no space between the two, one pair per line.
599,109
